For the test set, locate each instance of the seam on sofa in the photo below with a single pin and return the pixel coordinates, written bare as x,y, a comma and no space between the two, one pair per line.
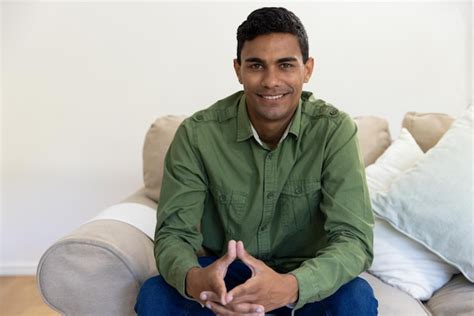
39,284
98,244
109,219
425,308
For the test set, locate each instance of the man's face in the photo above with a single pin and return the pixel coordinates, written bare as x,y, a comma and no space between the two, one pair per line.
272,73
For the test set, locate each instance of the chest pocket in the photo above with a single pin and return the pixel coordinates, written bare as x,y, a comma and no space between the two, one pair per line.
231,207
299,201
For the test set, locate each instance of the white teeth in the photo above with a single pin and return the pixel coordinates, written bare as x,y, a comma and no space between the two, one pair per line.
272,97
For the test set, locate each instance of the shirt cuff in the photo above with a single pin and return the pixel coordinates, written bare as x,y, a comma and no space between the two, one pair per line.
185,295
292,307
180,276
307,291
192,299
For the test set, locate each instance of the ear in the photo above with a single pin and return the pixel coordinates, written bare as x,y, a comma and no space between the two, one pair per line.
308,69
237,67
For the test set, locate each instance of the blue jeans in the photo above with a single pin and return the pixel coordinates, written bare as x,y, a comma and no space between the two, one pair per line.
156,297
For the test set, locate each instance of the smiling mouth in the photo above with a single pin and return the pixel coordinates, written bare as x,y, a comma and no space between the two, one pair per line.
272,97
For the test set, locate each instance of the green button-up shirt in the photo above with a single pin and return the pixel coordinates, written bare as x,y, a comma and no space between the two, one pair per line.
302,208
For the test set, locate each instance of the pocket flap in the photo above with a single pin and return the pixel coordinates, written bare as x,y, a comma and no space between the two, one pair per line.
301,187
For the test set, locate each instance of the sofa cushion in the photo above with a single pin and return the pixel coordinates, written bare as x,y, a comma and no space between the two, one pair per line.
392,301
455,298
427,128
373,137
157,141
432,202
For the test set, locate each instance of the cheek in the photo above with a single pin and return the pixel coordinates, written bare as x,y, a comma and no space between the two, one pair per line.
251,80
298,82
294,78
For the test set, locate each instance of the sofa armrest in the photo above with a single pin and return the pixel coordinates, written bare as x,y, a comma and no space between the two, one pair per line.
97,269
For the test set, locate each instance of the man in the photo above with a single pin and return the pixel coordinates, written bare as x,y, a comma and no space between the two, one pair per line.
270,184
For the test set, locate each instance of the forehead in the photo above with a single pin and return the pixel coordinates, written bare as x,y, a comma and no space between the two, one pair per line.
271,47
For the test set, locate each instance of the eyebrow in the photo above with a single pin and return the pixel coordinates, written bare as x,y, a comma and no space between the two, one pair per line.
280,60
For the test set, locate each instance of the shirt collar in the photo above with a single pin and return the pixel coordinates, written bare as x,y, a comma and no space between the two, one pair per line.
257,138
245,130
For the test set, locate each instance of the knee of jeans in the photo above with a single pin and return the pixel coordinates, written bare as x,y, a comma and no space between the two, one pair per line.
362,286
360,293
152,287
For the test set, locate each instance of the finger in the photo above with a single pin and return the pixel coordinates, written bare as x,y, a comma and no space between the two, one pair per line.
209,296
218,309
221,291
244,299
236,309
245,289
246,258
246,308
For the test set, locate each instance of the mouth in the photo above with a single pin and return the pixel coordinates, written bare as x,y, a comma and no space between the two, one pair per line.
272,97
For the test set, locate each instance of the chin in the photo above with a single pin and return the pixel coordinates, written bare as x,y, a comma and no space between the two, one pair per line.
272,115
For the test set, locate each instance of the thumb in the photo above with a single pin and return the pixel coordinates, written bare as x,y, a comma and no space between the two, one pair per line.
247,258
231,254
216,291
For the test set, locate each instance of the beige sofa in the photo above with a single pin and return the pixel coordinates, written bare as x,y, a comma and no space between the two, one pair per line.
98,268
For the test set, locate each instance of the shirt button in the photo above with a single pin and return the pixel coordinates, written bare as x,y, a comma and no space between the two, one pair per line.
298,190
269,156
270,195
333,112
222,198
199,117
263,228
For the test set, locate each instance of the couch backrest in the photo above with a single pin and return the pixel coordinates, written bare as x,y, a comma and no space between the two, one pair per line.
373,136
427,128
157,141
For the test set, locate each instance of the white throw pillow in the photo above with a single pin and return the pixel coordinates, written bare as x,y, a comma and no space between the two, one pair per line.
432,202
402,154
399,260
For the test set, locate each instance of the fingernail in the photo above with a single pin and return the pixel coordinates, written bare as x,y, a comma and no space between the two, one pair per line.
203,297
259,310
208,305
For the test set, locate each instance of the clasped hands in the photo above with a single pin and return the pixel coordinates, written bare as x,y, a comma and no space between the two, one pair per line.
265,290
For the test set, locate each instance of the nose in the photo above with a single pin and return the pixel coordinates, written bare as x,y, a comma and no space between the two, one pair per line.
270,78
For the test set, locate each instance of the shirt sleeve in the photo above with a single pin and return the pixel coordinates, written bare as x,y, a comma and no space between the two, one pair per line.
349,219
183,191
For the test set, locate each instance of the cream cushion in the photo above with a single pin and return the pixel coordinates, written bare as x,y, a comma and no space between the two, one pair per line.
392,301
157,141
427,128
374,137
455,298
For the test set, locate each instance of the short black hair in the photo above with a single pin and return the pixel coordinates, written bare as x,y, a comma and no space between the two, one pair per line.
271,20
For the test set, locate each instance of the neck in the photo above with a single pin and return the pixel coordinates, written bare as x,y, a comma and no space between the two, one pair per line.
270,132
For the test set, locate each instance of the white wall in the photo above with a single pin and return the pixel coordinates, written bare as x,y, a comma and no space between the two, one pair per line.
83,81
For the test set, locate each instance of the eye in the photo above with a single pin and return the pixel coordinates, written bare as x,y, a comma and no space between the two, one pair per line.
286,66
256,66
